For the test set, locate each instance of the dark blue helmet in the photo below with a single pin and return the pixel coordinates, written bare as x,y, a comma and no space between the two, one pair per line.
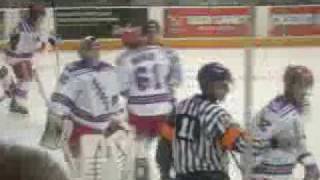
151,27
212,72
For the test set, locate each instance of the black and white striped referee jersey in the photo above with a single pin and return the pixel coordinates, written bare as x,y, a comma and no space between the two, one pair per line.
199,125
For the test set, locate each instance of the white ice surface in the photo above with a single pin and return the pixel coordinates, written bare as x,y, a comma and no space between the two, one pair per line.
268,64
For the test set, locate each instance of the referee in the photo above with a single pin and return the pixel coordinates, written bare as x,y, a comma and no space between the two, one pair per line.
205,131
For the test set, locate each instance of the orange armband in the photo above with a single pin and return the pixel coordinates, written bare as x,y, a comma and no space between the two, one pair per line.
229,138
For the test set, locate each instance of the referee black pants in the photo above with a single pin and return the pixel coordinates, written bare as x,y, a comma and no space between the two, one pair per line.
164,158
203,175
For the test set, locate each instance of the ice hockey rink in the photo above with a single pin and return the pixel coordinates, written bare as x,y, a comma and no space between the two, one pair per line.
268,67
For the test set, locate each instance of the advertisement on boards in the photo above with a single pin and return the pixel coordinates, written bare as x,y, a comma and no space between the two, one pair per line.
207,22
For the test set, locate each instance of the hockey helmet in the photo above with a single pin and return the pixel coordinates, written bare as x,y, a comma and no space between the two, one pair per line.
298,74
213,72
36,11
151,27
151,31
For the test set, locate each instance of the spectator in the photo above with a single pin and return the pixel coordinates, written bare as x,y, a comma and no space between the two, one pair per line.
25,163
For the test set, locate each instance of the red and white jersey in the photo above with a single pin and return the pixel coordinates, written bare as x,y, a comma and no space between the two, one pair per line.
89,92
282,121
29,40
149,74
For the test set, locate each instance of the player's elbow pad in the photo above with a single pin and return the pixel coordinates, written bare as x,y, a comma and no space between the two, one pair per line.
229,138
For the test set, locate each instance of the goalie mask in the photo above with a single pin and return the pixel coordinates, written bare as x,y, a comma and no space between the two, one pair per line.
298,81
89,48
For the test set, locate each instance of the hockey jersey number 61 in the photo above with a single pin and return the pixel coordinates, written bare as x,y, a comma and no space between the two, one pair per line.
149,73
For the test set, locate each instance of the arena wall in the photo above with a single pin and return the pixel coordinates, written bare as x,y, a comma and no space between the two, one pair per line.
11,17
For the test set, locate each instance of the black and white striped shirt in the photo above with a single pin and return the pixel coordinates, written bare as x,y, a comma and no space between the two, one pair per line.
199,125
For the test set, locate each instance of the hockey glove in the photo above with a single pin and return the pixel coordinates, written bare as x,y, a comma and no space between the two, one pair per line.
231,136
311,172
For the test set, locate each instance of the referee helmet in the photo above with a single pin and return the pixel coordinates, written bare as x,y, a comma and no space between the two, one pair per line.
212,72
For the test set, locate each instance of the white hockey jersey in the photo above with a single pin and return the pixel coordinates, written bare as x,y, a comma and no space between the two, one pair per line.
89,91
278,128
29,40
149,75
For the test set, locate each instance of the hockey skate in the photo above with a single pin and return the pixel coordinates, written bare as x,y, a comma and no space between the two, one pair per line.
16,108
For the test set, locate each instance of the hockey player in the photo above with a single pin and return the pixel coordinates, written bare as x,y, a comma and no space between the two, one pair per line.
164,149
86,100
25,40
279,129
150,73
205,131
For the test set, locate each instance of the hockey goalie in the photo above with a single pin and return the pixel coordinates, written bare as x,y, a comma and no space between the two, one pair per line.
85,113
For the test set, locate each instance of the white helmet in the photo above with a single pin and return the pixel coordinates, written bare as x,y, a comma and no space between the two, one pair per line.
89,48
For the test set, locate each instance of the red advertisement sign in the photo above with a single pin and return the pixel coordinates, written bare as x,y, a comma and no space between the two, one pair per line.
294,21
207,22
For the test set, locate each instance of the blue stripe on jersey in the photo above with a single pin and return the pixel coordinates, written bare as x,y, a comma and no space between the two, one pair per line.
288,110
150,99
25,26
18,55
281,106
283,169
66,101
87,65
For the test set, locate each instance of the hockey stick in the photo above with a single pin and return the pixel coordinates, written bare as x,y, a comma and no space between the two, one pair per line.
236,161
40,87
56,47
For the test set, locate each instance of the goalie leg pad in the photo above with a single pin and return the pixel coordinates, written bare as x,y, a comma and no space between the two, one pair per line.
77,132
99,158
57,132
